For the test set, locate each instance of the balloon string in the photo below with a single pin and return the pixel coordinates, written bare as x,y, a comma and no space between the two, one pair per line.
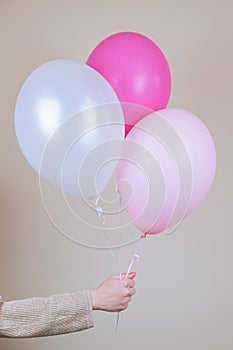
135,257
120,214
101,218
120,224
102,222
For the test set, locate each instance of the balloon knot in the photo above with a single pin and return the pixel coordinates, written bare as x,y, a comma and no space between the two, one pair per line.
143,235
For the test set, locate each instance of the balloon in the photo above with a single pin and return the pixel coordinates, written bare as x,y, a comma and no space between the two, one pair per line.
137,70
166,169
64,111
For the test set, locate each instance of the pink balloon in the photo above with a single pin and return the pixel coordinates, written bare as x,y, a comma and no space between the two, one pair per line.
166,170
137,70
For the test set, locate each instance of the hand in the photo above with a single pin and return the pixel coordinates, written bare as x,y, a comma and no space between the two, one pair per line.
114,294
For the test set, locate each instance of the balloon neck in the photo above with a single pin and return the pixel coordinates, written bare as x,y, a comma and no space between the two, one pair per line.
144,235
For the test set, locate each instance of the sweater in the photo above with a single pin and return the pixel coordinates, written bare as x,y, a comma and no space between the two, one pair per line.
40,317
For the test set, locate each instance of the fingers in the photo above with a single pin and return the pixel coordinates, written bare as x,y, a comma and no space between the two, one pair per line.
131,292
128,287
125,304
129,283
127,300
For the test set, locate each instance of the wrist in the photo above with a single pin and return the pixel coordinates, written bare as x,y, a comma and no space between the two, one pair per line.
95,299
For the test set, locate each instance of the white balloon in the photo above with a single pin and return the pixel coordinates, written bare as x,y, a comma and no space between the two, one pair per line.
64,111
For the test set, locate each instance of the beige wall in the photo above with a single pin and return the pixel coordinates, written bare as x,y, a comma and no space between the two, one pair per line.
184,282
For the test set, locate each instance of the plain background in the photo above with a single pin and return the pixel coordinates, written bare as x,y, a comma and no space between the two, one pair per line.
184,280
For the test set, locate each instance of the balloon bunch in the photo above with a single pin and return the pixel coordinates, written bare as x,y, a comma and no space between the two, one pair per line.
72,118
169,157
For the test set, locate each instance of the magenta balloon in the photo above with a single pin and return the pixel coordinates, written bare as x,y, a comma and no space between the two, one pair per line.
137,70
167,168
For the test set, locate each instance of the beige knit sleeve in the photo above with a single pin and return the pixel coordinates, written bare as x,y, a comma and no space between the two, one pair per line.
39,317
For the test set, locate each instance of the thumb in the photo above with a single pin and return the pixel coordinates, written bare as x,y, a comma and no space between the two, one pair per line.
131,275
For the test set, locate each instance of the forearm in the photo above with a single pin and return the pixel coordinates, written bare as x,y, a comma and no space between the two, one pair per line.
38,317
